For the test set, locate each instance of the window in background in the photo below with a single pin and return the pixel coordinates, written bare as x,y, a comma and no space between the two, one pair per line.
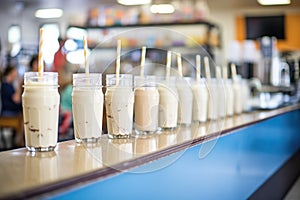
14,39
51,44
74,45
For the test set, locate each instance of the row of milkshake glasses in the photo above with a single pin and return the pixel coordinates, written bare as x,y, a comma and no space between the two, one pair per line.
141,105
148,103
135,105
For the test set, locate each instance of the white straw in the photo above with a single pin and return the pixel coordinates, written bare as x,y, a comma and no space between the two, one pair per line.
87,71
225,72
168,65
198,67
40,57
179,63
218,72
233,72
143,57
207,69
118,61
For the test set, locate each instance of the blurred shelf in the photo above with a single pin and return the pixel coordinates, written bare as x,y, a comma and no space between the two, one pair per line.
147,25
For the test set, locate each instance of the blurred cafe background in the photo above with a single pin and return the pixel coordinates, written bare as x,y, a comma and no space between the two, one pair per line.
261,40
254,154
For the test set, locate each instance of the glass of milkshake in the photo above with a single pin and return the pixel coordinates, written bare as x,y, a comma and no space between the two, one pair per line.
200,101
229,97
119,100
87,105
213,100
238,95
185,105
40,102
168,103
221,98
146,103
246,94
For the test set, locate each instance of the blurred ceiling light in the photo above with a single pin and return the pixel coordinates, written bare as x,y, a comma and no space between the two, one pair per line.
162,8
134,2
49,13
70,45
76,33
76,57
14,34
273,2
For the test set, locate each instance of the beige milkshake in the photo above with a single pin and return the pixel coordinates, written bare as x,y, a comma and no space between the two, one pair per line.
229,98
119,101
40,110
185,105
87,104
222,99
238,96
246,95
213,100
146,103
200,101
168,104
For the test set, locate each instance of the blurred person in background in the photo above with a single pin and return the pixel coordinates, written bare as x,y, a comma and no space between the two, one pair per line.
60,59
11,107
33,64
11,92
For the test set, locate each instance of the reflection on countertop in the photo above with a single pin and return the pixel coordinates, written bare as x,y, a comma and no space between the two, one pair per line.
23,172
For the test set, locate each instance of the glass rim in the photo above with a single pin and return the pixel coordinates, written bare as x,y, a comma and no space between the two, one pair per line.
38,74
84,75
121,75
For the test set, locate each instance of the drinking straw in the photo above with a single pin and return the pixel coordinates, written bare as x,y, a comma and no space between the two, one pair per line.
85,56
218,72
198,68
179,63
143,57
168,65
233,72
225,72
40,57
118,61
207,69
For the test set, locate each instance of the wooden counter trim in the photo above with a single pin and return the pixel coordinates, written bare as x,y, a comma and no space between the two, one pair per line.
53,188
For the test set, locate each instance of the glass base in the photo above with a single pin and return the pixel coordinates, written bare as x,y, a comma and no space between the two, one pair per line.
168,128
118,136
87,140
199,121
40,149
140,133
184,124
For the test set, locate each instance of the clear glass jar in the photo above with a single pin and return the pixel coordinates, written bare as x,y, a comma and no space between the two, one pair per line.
40,102
119,100
246,94
238,95
185,96
146,103
213,100
200,101
168,103
229,97
87,105
221,98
